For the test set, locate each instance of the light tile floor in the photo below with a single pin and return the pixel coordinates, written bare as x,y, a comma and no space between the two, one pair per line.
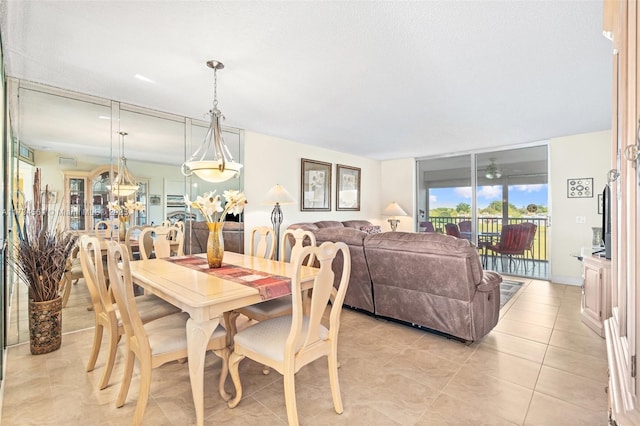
539,366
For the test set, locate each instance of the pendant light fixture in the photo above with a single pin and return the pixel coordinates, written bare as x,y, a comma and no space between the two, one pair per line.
124,184
221,167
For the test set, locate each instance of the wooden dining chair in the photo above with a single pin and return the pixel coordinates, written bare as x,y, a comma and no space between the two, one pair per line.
146,246
102,228
262,242
133,236
106,313
166,238
288,343
72,274
282,305
155,343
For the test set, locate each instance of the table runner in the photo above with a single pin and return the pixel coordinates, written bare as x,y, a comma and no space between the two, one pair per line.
269,286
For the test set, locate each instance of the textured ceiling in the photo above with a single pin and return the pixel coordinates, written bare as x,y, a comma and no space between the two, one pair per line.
379,79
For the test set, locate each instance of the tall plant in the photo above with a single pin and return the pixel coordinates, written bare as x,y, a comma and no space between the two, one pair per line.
42,250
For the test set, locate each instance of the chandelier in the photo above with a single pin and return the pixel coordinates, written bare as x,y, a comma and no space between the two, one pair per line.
492,172
221,167
124,184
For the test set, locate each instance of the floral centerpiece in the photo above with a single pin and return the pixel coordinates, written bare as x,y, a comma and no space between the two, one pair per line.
124,212
210,205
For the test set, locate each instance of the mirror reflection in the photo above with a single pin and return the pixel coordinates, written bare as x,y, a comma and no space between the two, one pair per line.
76,146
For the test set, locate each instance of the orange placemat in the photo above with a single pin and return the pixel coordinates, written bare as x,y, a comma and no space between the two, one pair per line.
269,286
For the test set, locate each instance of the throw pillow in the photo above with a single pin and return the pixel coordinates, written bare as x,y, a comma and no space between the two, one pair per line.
371,229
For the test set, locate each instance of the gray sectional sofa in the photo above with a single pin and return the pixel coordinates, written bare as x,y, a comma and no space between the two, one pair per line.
426,279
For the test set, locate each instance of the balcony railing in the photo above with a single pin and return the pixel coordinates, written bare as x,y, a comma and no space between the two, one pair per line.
493,225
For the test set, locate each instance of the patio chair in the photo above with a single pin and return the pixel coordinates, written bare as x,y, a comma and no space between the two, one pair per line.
452,229
465,229
532,228
512,244
427,227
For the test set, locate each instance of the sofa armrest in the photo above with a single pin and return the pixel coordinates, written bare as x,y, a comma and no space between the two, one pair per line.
490,280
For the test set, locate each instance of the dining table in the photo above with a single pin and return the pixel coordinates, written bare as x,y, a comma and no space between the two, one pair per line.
206,296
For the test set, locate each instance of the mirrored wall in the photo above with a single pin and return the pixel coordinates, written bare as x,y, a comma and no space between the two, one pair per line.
77,143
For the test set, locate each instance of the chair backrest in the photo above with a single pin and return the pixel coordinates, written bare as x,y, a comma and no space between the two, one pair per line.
452,229
93,272
513,239
427,227
465,226
102,225
179,224
296,238
169,244
262,242
133,234
322,292
166,223
146,238
122,289
531,228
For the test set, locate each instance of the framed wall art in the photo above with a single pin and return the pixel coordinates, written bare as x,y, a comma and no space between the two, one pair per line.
580,188
347,188
315,182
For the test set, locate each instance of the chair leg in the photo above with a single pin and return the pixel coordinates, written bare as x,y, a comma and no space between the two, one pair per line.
126,378
333,380
234,364
95,349
143,395
223,354
66,291
290,396
114,338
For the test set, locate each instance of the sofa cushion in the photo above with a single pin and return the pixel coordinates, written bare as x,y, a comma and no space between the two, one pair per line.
356,223
371,229
307,226
329,224
348,236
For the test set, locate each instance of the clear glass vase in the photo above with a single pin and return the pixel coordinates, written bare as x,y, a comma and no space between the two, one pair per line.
215,244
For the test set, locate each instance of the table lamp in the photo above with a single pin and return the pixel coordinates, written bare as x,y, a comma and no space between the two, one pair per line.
278,195
394,210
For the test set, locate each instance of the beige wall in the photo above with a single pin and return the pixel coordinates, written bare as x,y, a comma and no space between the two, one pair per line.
399,185
270,160
585,155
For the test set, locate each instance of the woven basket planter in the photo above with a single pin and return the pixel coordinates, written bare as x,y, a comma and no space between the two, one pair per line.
45,326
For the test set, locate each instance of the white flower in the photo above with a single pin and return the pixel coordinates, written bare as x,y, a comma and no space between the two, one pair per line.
210,204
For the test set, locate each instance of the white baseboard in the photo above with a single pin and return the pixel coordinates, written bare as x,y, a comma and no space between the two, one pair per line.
565,279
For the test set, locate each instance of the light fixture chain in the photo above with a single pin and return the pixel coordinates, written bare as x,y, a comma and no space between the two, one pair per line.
215,89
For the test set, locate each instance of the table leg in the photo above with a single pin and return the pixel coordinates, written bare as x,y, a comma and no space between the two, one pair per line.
198,336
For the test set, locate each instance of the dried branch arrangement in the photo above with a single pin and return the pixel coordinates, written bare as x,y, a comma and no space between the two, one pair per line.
42,251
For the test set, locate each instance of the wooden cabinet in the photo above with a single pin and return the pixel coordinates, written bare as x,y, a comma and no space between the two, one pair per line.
86,198
596,293
621,330
75,201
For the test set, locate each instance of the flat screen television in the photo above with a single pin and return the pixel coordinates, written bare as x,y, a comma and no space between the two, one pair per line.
606,221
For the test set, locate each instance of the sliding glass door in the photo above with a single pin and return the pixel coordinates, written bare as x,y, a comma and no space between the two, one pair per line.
475,195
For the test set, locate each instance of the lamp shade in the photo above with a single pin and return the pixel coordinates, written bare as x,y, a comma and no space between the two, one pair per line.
277,194
394,209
